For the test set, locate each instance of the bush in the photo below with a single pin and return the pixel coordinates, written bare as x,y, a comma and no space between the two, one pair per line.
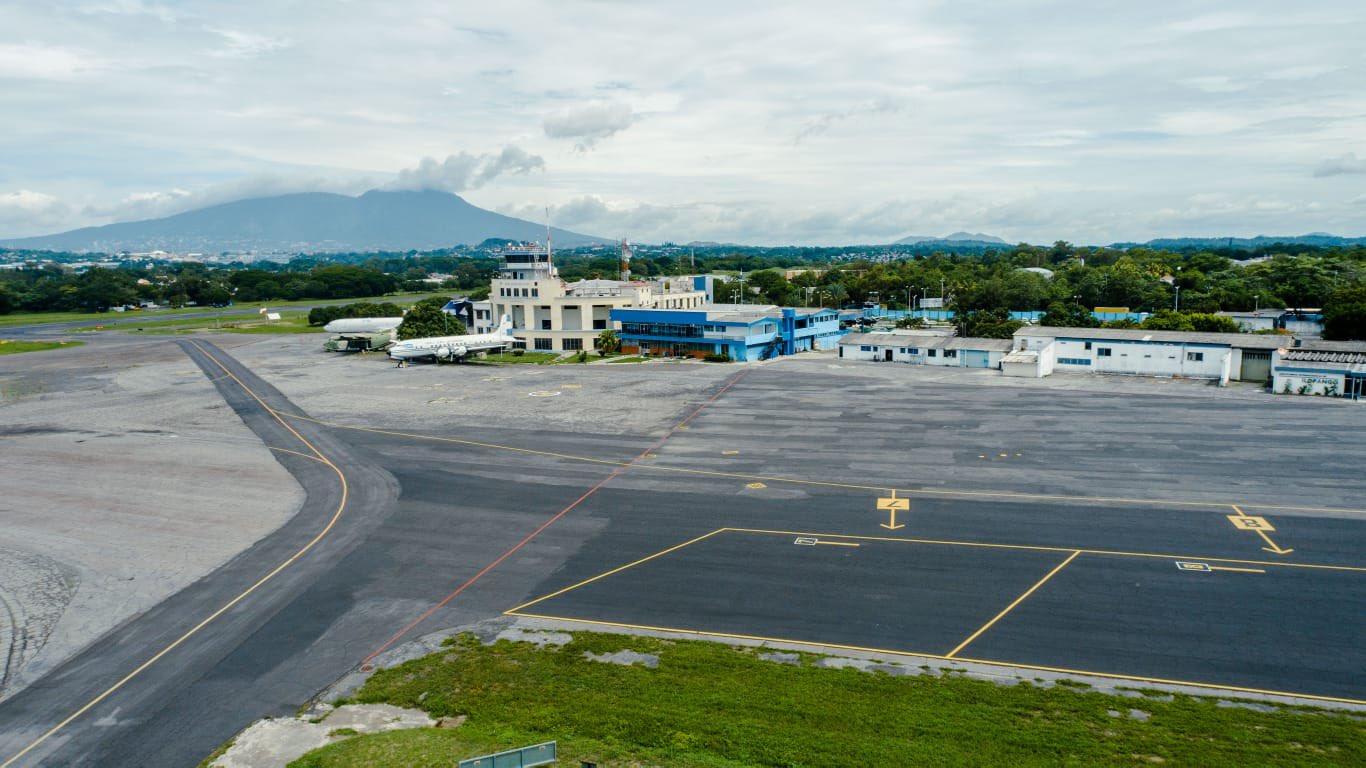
583,356
518,352
712,357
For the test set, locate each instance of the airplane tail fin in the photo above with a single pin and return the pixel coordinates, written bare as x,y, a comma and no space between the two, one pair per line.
505,326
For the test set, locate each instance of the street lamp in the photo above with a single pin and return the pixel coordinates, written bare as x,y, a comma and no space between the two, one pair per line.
1256,303
924,293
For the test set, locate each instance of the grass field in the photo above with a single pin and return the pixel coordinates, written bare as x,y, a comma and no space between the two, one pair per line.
710,704
8,347
38,318
508,357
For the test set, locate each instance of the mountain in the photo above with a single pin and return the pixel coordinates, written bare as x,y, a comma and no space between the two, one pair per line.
1321,239
957,238
310,222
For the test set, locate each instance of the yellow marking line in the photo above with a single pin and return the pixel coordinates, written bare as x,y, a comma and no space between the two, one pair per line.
823,483
960,659
1044,548
615,570
811,541
297,453
1011,607
1241,570
226,606
1258,525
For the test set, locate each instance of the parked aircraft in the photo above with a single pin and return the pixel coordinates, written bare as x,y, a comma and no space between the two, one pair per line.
363,325
357,334
453,347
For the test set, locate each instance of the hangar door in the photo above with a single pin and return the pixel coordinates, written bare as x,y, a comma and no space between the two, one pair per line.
1256,365
975,359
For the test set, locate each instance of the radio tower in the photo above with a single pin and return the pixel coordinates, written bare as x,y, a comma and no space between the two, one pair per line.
626,254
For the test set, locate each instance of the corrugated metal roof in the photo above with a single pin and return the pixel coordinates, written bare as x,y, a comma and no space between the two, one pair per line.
928,341
1321,356
1239,340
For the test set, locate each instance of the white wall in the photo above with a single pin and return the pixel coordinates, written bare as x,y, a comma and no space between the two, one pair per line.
1316,383
1142,358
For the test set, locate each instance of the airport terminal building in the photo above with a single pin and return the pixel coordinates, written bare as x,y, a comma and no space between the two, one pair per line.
742,332
553,316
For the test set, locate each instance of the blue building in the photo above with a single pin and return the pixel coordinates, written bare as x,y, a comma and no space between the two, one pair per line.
740,331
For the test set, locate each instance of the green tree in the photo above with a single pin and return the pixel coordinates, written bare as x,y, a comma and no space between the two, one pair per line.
1168,320
1061,315
426,319
990,324
1207,323
609,343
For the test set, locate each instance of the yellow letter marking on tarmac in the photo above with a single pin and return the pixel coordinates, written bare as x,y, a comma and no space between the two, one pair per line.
1259,525
1011,607
892,504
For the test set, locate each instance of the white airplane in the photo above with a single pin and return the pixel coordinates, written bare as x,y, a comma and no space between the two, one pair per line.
453,347
361,333
363,325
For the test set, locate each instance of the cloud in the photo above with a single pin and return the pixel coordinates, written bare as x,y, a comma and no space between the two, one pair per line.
458,173
131,8
590,124
26,212
1341,166
35,61
822,123
245,45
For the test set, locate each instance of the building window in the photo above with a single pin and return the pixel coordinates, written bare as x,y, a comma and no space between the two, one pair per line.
1088,345
865,349
573,345
932,352
544,344
545,323
535,291
599,325
915,350
1195,357
950,353
1073,361
1103,352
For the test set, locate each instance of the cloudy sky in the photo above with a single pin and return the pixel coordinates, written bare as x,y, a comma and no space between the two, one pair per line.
755,122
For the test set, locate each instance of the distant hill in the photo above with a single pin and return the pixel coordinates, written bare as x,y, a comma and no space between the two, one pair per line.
955,238
311,222
1321,239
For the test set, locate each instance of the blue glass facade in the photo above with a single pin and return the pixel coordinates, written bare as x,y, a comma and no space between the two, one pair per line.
743,333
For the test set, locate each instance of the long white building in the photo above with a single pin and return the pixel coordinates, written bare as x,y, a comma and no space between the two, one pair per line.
1224,357
551,315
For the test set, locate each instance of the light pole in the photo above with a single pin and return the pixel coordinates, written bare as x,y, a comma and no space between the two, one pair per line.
924,293
1256,303
909,289
1176,300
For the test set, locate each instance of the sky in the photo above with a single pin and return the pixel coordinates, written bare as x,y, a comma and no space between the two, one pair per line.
765,123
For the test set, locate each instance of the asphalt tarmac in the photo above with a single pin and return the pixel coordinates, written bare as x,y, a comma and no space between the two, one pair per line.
1039,529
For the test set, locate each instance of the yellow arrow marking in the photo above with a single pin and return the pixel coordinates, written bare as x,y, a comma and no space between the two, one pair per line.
891,524
729,453
755,486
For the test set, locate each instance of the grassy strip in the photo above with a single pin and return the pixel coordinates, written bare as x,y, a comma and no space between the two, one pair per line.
710,704
9,347
39,318
628,359
508,357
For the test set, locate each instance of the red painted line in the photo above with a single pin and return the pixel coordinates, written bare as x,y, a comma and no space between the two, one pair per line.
476,577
